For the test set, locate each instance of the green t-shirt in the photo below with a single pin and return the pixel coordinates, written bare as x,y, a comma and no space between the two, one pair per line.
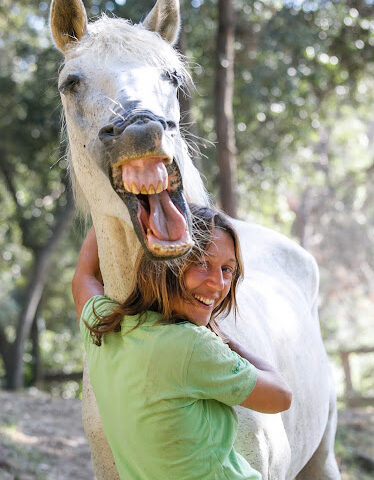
164,394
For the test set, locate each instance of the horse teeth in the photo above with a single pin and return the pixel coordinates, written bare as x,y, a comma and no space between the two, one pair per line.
160,187
151,190
134,189
143,191
168,250
149,232
126,187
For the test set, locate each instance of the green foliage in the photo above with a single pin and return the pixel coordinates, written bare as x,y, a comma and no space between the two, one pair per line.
33,176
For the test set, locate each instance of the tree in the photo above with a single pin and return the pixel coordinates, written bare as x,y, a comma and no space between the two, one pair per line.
39,207
224,90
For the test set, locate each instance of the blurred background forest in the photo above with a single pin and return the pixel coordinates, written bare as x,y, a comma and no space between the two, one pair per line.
302,163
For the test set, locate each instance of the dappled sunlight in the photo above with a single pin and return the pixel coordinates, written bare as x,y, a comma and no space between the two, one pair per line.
52,445
45,437
18,436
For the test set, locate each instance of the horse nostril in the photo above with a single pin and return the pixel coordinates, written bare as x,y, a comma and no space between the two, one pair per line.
106,132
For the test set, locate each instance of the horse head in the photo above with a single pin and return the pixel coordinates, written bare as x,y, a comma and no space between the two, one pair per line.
118,86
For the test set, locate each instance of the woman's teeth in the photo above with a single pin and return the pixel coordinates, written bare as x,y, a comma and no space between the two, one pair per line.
206,301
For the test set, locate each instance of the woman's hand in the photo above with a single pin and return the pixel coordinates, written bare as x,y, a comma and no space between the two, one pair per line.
271,394
87,280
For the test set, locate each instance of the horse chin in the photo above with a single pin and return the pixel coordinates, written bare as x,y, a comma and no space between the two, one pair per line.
159,245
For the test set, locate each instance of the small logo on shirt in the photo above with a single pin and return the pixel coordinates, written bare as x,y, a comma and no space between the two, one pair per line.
237,368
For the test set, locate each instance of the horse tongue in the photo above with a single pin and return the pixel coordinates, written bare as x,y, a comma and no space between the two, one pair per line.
165,220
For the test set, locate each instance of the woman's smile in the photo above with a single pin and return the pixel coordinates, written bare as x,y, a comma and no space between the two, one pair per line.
206,301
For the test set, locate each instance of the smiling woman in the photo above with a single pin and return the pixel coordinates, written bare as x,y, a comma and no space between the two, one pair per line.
165,384
196,288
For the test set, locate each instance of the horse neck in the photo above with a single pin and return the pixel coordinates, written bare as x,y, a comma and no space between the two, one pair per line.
118,248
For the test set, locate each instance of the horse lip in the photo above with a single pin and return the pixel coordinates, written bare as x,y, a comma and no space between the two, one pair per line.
124,160
121,120
139,142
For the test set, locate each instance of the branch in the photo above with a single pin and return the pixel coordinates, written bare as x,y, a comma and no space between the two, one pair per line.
5,169
36,284
4,346
62,377
8,173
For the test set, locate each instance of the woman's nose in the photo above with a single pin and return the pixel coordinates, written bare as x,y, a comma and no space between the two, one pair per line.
215,279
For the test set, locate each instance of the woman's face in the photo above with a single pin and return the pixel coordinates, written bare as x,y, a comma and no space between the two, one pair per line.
209,280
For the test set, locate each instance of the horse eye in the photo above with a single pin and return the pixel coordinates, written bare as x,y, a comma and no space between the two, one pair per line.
174,78
70,83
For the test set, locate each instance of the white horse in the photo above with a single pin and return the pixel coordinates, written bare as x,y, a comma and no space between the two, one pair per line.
129,165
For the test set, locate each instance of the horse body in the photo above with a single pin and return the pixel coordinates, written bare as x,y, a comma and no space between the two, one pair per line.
279,321
130,167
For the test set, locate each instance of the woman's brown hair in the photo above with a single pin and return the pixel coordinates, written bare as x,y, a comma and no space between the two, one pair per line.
158,282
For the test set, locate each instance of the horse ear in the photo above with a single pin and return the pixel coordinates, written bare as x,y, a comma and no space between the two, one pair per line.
164,19
68,22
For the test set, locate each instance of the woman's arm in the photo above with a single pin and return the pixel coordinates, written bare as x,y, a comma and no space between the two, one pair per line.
271,393
87,280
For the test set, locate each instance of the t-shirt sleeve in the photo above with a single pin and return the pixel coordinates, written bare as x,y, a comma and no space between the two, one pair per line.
101,306
216,372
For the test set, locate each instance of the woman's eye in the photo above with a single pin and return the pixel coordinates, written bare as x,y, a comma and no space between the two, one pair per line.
228,270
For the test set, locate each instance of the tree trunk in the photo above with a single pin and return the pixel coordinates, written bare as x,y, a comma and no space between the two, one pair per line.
37,368
226,148
38,278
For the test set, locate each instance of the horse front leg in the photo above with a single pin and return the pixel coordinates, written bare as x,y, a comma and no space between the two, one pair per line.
263,442
101,454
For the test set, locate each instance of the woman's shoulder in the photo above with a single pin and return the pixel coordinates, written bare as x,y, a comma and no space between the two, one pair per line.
194,335
190,328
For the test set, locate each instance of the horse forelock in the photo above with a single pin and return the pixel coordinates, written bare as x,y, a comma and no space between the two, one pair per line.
110,37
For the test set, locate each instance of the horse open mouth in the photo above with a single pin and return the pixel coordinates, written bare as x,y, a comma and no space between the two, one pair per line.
153,193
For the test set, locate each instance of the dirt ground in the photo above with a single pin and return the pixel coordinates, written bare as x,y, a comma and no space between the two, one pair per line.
41,438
